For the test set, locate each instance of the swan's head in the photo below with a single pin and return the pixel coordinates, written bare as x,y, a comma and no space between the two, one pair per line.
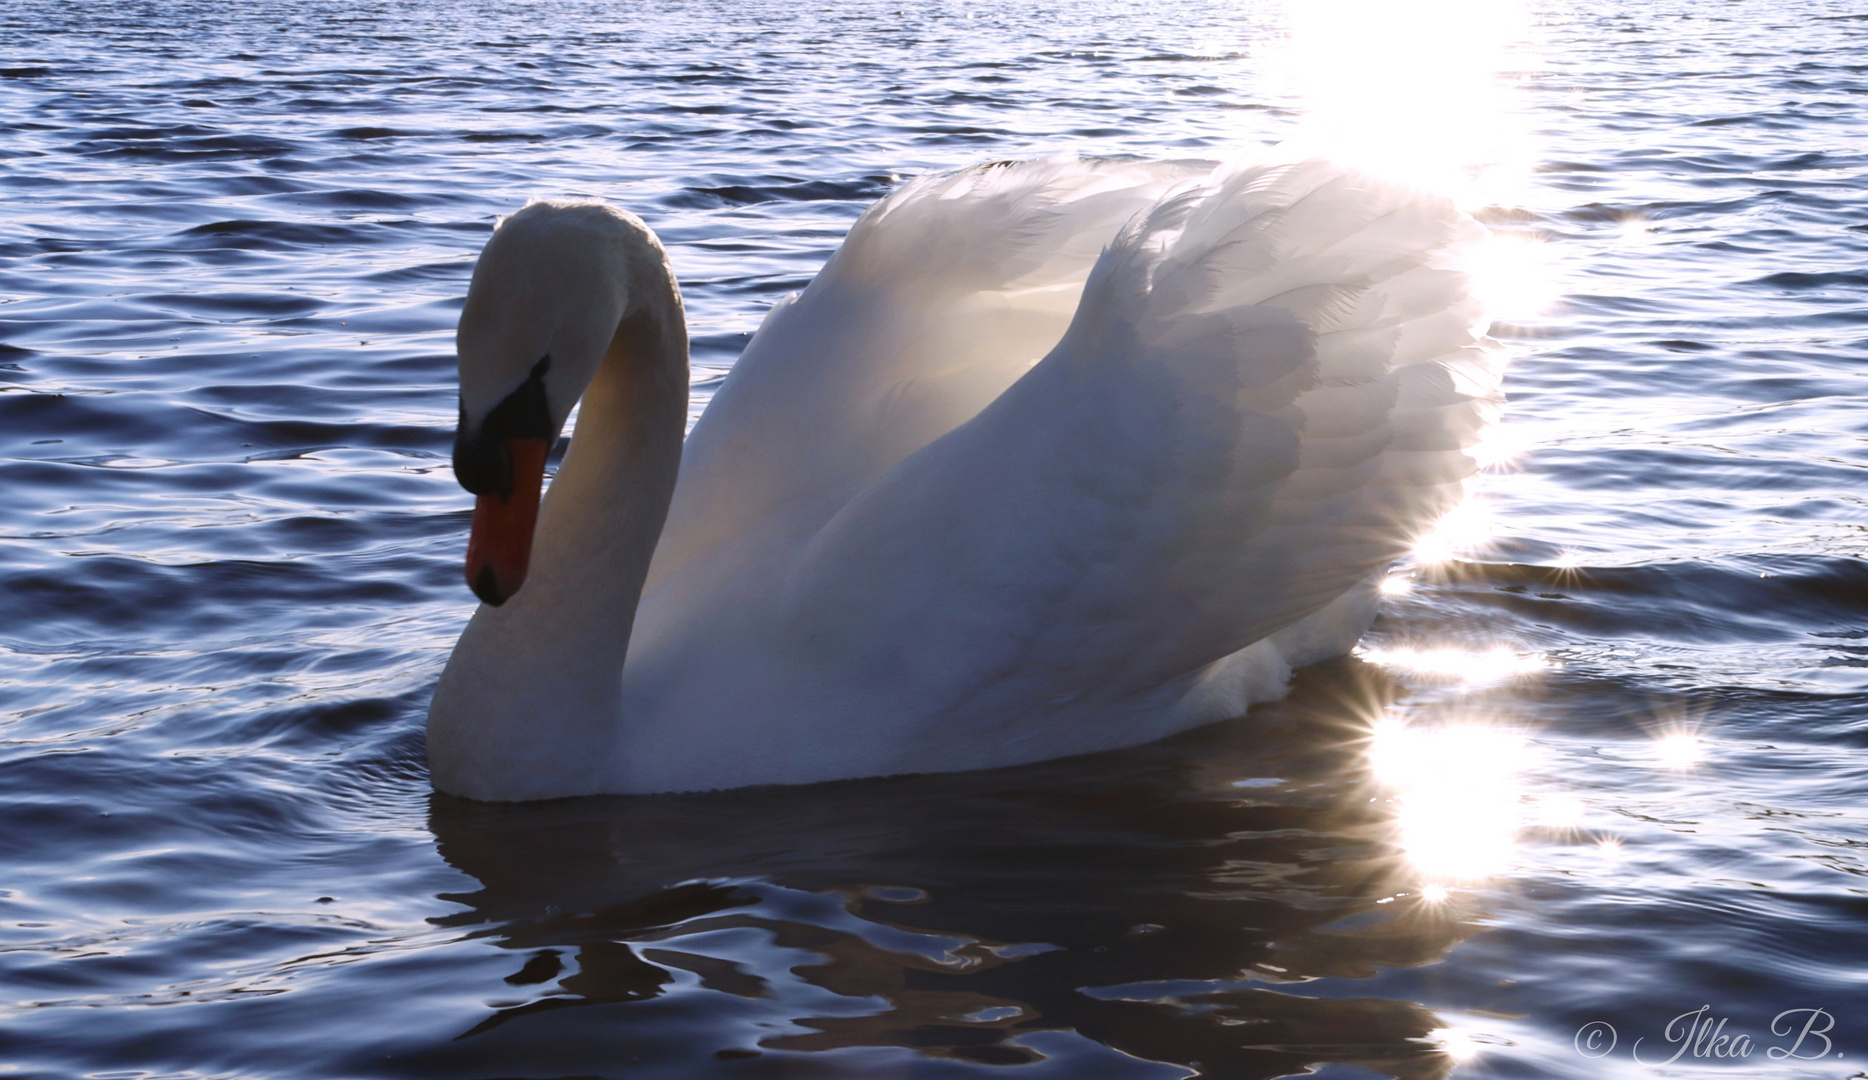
548,293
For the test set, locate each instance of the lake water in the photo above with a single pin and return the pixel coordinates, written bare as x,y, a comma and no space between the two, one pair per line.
1603,768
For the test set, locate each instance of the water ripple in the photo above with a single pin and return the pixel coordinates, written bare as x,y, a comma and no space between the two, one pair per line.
235,244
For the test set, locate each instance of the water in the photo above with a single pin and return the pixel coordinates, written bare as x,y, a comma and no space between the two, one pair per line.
1604,768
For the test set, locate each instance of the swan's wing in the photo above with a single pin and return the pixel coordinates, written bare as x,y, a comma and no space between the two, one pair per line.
942,295
1266,394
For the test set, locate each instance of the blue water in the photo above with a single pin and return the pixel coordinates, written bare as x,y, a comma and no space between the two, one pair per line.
233,242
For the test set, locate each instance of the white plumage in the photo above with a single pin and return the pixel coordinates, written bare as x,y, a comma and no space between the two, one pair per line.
981,495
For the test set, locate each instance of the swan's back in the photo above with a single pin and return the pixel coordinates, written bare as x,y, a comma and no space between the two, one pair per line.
897,549
942,295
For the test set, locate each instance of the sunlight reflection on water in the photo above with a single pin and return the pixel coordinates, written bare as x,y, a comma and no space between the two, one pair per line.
1680,750
1465,529
234,561
1421,91
1515,276
1471,667
1459,797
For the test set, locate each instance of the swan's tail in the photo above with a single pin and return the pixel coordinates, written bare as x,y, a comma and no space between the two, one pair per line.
1388,396
1270,390
1389,402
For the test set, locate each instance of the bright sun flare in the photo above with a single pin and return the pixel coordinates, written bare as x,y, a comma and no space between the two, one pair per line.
1420,91
1681,750
1425,92
1456,1044
1466,528
1459,794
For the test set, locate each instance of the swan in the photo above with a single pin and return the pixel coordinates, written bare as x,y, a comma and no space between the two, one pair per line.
1052,457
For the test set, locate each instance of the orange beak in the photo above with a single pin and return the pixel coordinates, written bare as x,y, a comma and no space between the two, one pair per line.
500,547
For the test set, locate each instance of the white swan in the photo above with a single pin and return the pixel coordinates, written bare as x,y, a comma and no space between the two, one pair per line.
977,496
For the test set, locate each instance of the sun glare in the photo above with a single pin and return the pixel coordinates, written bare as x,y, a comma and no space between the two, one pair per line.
1515,276
1466,528
1459,796
1500,448
1680,750
1426,92
1456,1044
1475,668
1635,229
1420,91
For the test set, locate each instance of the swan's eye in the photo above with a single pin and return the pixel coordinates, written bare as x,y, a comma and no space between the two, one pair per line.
482,461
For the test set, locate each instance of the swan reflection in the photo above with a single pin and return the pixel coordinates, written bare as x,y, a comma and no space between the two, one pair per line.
1092,915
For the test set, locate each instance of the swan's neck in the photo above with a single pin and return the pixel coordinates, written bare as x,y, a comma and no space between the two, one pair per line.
530,704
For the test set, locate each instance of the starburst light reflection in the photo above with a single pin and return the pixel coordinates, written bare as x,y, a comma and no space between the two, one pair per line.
1678,750
1499,449
1459,796
1466,528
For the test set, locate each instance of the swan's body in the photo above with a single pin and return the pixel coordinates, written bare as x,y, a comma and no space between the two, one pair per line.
899,542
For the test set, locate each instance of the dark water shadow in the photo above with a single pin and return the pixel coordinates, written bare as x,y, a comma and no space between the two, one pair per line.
1172,904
